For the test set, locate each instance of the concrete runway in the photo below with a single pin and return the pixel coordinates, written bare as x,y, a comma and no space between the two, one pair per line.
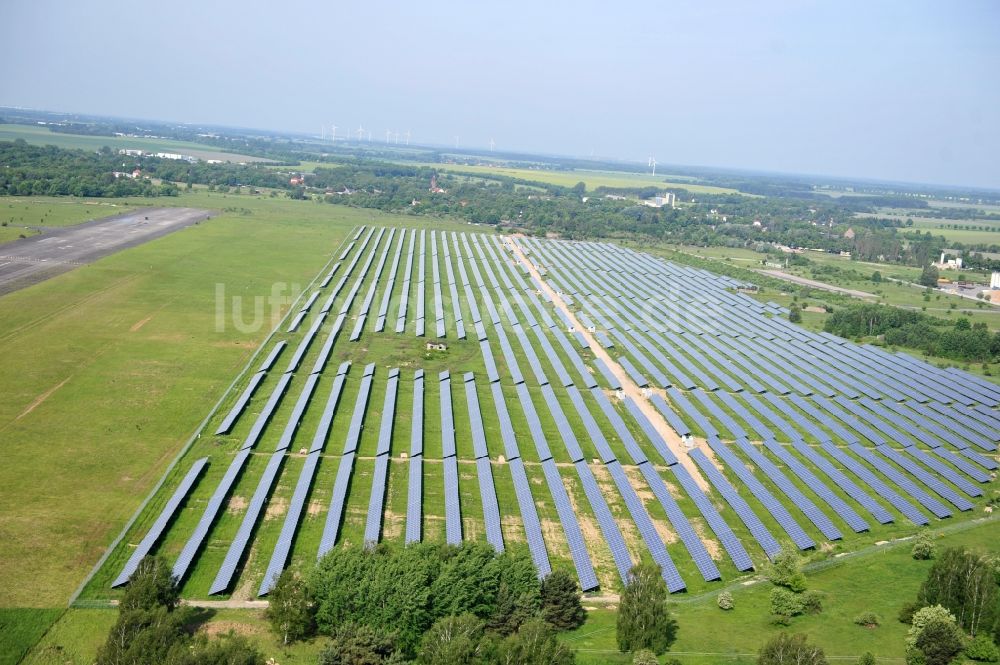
55,251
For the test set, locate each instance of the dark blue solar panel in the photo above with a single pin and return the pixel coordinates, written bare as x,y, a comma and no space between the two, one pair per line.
811,481
729,541
319,439
562,424
208,516
491,509
604,340
633,373
843,482
631,445
414,497
227,570
162,520
240,405
808,508
297,321
417,415
612,380
605,520
373,522
388,413
738,504
296,416
681,525
475,417
688,409
574,357
873,481
670,415
337,501
360,405
303,346
928,479
651,433
944,471
265,414
773,506
452,504
279,557
447,418
273,356
981,460
646,529
534,426
901,481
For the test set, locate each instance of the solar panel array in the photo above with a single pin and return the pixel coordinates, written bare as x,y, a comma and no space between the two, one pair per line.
160,525
853,432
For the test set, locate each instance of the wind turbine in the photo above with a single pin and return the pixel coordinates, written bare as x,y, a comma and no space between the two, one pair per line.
361,132
387,133
456,142
322,132
397,138
333,135
369,136
407,137
492,144
652,162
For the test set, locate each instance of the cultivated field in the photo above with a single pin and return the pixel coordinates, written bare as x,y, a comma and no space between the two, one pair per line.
592,179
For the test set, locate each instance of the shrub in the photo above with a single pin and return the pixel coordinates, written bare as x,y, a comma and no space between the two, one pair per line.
812,602
786,571
725,600
867,658
983,649
785,649
924,547
867,619
785,603
907,611
645,657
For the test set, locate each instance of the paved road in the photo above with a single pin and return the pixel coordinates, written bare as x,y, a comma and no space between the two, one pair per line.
31,260
817,285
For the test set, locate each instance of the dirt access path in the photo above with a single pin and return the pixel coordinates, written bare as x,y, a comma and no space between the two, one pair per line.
629,386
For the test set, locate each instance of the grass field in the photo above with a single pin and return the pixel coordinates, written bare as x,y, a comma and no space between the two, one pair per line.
879,580
39,135
22,214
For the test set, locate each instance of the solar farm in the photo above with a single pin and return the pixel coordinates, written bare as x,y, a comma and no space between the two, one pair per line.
594,404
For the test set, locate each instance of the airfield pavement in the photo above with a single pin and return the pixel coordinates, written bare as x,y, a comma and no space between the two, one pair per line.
55,251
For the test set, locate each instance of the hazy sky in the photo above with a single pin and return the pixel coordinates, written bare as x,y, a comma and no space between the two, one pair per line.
901,90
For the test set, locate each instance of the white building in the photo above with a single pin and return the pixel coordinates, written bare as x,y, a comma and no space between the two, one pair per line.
950,264
995,280
667,199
